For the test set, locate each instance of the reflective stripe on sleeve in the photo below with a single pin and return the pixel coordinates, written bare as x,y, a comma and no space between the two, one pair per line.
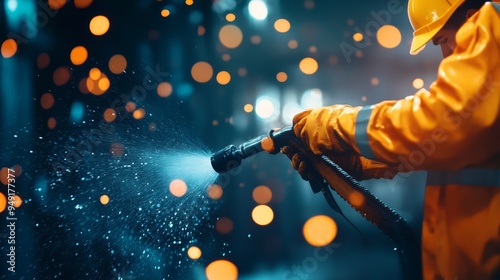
361,132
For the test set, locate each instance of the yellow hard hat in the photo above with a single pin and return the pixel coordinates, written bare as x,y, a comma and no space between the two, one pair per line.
427,17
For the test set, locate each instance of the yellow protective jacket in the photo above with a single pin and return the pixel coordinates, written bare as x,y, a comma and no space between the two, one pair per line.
452,129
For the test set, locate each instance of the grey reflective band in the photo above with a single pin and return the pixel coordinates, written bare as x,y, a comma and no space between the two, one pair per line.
361,132
488,177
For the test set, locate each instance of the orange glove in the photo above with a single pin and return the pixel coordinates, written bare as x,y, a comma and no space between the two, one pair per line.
322,132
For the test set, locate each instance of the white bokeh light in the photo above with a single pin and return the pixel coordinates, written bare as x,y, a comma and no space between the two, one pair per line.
312,98
264,108
257,9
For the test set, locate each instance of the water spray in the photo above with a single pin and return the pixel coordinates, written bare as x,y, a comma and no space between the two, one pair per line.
327,175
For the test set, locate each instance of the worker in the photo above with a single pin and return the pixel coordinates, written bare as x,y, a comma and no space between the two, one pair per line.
451,130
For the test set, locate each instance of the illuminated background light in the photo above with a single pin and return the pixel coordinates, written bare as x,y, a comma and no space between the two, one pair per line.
214,191
308,65
312,98
82,4
248,108
104,199
293,44
3,202
165,13
281,77
202,72
255,39
319,230
223,77
264,108
51,123
78,55
47,101
61,75
117,149
109,115
358,37
418,83
262,215
282,25
230,17
194,253
9,48
258,9
56,4
99,25
117,64
17,201
76,112
262,194
4,172
164,89
42,61
388,36
224,225
139,114
230,36
221,270
178,187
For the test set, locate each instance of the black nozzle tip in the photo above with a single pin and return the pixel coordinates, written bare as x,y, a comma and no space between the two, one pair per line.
225,159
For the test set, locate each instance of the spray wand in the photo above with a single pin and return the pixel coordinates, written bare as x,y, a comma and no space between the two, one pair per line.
328,174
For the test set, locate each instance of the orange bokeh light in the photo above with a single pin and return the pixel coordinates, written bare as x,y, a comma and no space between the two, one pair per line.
17,201
194,253
221,270
78,55
223,77
94,74
282,25
202,72
319,230
61,75
356,198
281,77
308,66
139,114
117,64
164,89
224,225
104,199
262,215
230,17
230,36
178,187
293,44
3,202
262,194
56,4
9,48
267,145
215,191
80,4
99,25
389,36
165,13
109,115
4,173
47,100
42,61
130,106
117,149
248,108
51,123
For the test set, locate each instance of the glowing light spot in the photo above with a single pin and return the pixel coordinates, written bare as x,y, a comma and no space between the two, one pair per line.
202,72
109,115
308,66
117,64
17,201
242,72
418,83
99,25
230,36
194,252
18,169
215,191
130,106
117,149
221,270
226,57
333,59
61,76
224,225
81,4
358,54
42,61
139,114
103,83
374,81
313,49
104,199
56,4
223,77
388,36
3,202
189,2
309,4
262,215
47,101
82,86
51,123
267,145
263,194
248,108
9,48
165,13
230,17
78,55
201,30
4,175
282,25
264,108
178,187
257,9
319,230
281,77
255,39
358,37
293,44
363,98
94,74
356,198
164,89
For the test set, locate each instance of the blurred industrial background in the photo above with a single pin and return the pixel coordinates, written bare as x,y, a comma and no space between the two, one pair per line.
111,109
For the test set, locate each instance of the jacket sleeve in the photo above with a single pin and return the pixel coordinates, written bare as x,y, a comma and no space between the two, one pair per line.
456,123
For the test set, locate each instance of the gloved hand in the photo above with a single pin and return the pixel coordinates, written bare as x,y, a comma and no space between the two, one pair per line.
327,130
358,167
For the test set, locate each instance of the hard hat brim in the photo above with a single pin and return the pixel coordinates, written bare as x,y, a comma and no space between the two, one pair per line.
424,34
